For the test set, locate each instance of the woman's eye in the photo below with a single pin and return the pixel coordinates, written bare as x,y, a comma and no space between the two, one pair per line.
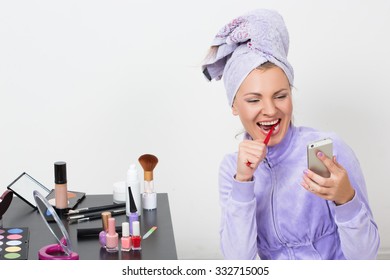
281,96
253,100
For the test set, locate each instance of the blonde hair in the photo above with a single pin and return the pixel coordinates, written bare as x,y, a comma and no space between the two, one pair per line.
266,65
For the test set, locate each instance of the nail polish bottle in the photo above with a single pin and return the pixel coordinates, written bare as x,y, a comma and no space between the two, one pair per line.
136,237
111,237
132,182
133,210
103,233
125,239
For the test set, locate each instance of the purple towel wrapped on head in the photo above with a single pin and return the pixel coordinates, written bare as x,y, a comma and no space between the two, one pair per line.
244,44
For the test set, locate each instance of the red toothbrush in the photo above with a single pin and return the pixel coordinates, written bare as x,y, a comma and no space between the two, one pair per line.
266,140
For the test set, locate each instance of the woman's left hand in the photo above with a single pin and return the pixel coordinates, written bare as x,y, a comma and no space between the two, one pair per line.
336,188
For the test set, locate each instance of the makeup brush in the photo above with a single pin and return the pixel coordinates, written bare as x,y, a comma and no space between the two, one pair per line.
148,163
149,197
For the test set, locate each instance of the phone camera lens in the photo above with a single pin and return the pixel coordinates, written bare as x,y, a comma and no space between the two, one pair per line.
311,146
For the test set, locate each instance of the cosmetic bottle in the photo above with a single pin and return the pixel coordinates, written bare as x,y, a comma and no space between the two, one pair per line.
133,210
149,197
61,188
136,237
132,181
103,233
111,237
125,239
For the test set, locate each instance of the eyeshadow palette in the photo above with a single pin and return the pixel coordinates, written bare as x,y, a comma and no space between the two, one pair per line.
14,243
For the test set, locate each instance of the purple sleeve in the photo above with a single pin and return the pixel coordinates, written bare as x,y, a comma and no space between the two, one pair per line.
238,229
358,232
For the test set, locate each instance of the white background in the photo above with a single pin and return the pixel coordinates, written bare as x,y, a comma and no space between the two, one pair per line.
98,83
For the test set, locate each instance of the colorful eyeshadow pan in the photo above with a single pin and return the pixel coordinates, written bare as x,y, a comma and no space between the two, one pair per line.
13,249
14,243
12,256
14,236
15,230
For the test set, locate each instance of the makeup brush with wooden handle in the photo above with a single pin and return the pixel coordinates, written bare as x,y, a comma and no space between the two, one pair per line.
149,197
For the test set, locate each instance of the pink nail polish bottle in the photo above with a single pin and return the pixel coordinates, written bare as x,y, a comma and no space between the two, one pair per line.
126,239
111,237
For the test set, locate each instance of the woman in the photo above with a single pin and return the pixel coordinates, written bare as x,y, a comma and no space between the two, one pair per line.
273,206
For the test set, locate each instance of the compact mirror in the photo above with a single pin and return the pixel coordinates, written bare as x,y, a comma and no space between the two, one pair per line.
23,187
62,250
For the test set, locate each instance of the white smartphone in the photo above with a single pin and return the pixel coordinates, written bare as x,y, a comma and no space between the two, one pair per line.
313,162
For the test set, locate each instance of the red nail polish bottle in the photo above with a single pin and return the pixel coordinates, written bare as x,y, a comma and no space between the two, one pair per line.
136,237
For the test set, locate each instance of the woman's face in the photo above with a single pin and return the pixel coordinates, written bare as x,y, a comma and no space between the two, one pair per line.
263,99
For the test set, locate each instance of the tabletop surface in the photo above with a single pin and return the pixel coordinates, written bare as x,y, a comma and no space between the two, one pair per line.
158,246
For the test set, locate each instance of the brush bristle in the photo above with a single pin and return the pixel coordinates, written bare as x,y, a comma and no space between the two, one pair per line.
148,162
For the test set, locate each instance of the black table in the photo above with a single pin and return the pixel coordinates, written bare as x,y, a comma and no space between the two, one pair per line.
158,246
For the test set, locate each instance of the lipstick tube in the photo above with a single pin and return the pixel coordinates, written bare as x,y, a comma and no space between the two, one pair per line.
111,237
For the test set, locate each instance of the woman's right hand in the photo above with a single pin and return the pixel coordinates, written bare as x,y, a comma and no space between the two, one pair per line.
250,154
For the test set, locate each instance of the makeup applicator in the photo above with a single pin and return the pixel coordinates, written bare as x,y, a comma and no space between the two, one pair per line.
149,197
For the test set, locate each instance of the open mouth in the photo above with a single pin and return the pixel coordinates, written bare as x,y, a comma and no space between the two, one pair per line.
266,126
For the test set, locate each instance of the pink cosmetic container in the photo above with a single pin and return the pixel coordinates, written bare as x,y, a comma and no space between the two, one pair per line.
111,237
126,239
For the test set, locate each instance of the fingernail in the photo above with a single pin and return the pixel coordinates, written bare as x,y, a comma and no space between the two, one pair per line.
320,154
305,171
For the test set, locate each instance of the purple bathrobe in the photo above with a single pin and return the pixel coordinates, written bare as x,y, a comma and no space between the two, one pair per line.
274,217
